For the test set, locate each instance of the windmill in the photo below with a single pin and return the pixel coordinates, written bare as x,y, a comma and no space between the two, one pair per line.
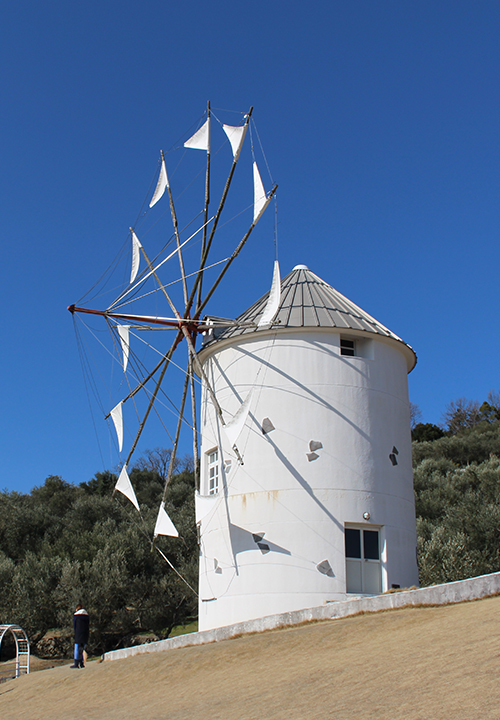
304,488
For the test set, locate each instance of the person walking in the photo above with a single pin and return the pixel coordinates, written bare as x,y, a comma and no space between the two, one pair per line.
81,629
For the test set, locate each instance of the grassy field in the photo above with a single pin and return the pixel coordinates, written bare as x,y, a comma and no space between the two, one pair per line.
427,663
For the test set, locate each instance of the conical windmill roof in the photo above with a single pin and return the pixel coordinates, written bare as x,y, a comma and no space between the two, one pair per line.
307,301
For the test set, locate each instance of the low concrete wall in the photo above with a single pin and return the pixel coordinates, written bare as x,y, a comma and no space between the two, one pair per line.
454,592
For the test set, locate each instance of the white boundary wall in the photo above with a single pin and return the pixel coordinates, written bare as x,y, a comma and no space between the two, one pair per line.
455,592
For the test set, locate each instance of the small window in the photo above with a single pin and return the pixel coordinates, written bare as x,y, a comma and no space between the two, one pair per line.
347,347
213,472
370,544
352,543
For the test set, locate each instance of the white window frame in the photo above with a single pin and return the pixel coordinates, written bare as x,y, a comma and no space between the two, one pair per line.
213,471
352,351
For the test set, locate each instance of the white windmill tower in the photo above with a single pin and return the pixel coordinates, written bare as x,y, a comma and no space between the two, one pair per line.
306,495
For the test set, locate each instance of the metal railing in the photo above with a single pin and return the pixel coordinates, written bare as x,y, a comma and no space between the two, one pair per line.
21,664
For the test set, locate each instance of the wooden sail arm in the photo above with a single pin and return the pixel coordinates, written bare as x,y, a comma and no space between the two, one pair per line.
188,335
194,326
222,201
151,320
202,374
207,202
233,257
151,403
177,237
173,454
195,427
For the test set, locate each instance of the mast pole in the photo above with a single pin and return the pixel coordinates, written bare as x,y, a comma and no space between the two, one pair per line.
216,219
177,434
195,427
176,231
186,311
151,401
207,201
125,316
183,329
234,255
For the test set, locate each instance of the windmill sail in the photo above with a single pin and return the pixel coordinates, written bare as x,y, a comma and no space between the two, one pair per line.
162,184
236,135
136,256
259,194
273,302
201,139
123,332
204,505
164,525
234,427
124,486
117,417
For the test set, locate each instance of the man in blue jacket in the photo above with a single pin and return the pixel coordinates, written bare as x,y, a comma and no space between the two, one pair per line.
81,628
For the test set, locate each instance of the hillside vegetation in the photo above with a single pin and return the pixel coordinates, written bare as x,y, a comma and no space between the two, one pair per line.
62,543
457,493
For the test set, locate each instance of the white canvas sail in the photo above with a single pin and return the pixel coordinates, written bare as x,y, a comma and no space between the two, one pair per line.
151,272
204,505
259,194
123,332
274,299
201,139
164,525
162,184
124,486
117,418
136,256
234,427
236,136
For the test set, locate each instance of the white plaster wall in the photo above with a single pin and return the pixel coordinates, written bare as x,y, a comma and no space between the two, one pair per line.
357,407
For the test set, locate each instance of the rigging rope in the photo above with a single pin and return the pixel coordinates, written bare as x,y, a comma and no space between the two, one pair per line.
109,270
253,123
140,372
166,285
262,150
81,355
143,532
176,571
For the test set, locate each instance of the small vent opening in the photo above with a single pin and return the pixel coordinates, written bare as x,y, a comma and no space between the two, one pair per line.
347,347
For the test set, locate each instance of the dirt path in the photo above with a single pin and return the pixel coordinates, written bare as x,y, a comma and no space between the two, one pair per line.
437,663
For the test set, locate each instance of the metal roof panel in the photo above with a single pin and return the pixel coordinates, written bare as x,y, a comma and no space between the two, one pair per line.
307,301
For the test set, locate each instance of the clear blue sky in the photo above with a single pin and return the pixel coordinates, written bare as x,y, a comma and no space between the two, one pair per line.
380,122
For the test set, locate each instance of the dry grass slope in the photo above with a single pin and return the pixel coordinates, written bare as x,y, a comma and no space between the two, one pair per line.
432,663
